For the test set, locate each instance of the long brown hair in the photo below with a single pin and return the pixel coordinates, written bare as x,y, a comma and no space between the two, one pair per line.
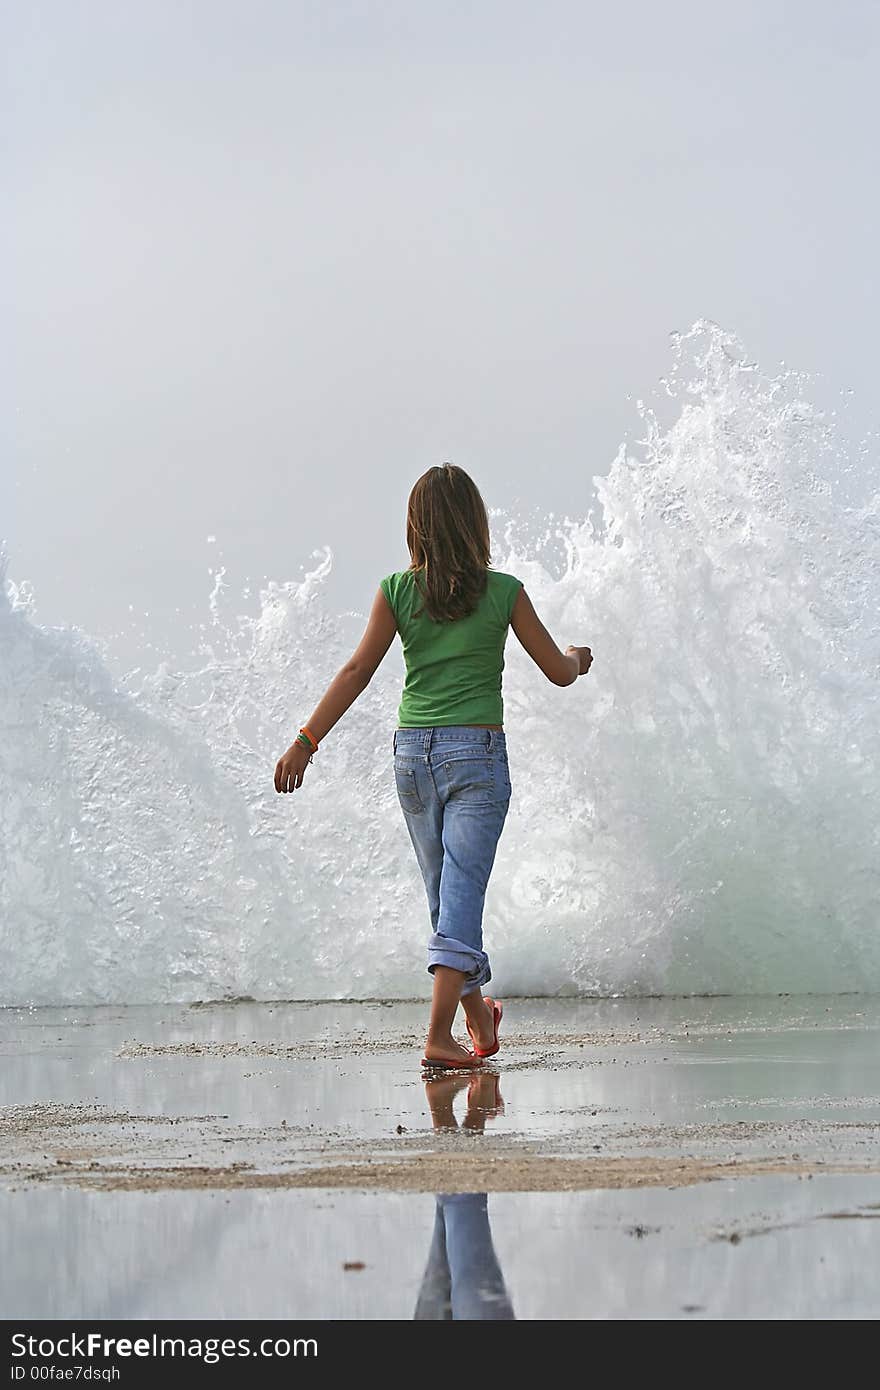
447,531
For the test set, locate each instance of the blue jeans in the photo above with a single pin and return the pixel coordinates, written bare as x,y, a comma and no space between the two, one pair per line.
453,785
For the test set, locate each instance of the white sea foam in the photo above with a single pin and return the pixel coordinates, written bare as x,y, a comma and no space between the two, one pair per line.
700,814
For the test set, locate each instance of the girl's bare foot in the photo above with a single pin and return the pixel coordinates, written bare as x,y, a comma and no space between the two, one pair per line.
446,1049
480,1017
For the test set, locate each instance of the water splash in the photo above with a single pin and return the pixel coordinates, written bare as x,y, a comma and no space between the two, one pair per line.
700,815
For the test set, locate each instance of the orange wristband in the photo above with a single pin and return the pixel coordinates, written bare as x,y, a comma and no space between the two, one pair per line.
311,738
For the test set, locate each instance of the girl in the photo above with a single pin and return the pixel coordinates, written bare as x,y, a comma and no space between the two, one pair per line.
450,755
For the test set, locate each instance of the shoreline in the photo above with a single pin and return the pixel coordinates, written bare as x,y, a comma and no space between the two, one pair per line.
423,1002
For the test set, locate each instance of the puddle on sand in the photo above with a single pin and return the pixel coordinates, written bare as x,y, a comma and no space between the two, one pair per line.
263,1088
754,1248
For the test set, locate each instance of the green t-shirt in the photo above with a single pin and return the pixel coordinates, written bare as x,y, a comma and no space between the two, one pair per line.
453,670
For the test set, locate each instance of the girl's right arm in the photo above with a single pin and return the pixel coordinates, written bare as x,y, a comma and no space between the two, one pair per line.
562,668
350,681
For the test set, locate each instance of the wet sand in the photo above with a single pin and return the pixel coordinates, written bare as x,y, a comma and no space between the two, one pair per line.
680,1125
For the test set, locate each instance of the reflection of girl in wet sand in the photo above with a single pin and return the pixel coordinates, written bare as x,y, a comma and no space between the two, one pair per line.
462,1279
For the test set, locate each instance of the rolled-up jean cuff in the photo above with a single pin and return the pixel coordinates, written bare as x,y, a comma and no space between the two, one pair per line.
455,955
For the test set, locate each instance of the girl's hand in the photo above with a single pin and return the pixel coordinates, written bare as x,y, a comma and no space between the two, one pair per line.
291,768
584,656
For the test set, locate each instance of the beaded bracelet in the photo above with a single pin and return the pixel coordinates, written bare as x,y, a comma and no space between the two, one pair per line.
308,741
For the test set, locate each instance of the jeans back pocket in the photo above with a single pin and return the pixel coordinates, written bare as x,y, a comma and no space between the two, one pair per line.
407,790
478,779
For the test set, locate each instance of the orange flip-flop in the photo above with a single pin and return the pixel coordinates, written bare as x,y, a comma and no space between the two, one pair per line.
497,1012
432,1064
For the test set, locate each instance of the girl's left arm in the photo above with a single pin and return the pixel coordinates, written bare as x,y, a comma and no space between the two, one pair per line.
348,683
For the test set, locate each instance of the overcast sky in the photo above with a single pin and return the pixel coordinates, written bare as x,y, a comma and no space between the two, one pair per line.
265,261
